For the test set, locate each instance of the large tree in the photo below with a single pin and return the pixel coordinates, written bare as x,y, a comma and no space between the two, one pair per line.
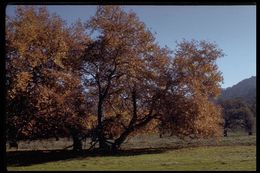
114,57
43,91
195,82
136,83
112,82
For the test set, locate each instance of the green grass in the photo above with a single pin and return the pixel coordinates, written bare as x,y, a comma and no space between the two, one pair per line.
237,152
237,158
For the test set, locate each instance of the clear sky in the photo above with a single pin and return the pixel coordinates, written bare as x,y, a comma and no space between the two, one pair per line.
232,28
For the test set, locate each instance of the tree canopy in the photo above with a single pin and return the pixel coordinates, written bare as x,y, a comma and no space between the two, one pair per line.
107,78
44,94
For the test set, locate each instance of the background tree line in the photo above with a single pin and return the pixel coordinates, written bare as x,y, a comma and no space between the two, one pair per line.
106,79
239,106
238,114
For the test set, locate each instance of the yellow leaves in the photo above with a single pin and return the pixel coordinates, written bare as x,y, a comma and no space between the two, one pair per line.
37,36
197,117
22,48
61,52
58,59
196,69
208,120
150,128
90,121
22,80
37,42
124,59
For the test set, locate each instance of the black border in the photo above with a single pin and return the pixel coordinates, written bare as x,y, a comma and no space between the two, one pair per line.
131,2
4,3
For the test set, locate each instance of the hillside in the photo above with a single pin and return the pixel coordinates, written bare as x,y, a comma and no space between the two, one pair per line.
245,89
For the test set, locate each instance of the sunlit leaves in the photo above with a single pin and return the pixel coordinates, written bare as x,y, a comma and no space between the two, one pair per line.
195,83
43,91
109,73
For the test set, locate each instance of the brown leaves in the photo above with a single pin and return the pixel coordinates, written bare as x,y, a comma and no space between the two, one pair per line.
195,62
38,71
194,82
22,80
131,84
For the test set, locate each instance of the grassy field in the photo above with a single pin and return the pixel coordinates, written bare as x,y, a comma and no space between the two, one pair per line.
236,152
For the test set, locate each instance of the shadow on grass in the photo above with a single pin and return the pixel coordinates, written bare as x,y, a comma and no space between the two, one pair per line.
27,158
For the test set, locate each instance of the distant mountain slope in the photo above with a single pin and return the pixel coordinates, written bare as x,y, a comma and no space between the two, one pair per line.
245,89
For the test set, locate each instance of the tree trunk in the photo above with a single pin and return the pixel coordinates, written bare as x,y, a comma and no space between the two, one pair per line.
225,133
130,128
13,144
132,125
101,139
100,111
102,96
103,146
77,143
118,142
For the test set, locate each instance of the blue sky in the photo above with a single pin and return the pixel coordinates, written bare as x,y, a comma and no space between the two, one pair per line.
233,28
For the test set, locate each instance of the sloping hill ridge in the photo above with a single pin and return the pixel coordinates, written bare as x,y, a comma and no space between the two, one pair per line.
245,89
